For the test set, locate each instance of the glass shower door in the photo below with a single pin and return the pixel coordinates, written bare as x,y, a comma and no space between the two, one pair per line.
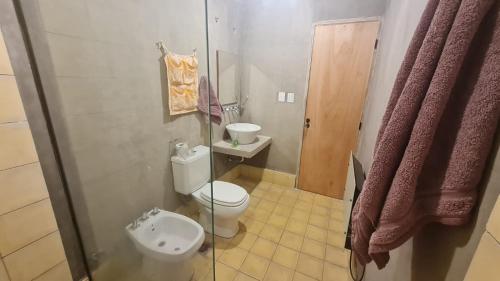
110,101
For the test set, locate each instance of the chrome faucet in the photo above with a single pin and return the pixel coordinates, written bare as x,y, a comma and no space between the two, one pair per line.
144,216
233,108
155,211
135,224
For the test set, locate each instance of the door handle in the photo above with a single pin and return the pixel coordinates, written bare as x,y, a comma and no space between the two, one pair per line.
308,123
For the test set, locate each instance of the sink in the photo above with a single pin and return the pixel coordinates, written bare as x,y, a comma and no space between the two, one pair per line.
244,133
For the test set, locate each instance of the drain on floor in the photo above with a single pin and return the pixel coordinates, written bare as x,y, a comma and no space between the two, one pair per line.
177,249
161,244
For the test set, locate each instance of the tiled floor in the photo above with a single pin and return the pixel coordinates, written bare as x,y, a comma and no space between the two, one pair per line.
285,235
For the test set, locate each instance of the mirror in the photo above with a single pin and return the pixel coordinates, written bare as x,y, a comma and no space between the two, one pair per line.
228,77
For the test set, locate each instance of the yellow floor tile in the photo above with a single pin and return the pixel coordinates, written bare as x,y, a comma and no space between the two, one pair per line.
254,201
338,205
266,205
318,210
301,277
306,196
313,248
276,272
244,240
254,226
233,257
310,266
283,210
316,233
319,221
335,225
287,200
259,193
336,239
295,226
338,215
277,220
264,248
273,195
304,206
299,215
224,272
286,257
271,232
284,229
323,201
334,273
261,214
263,185
337,256
254,266
291,240
244,277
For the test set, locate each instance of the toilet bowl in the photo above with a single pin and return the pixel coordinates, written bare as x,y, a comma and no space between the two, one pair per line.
167,242
229,202
192,177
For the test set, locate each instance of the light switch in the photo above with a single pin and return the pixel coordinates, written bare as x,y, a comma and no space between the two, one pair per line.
290,97
281,96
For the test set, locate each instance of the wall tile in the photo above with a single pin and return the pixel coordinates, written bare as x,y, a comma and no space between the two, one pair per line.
11,107
16,146
59,272
23,226
21,186
5,67
36,258
3,272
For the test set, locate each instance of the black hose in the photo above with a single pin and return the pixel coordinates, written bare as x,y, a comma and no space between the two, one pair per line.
350,269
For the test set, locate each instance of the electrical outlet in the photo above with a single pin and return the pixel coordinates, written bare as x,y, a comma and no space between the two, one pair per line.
281,96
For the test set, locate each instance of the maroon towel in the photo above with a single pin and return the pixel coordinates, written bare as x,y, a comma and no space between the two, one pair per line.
215,108
437,130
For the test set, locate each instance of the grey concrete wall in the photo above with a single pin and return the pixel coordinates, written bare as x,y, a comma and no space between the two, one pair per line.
110,86
224,26
276,43
436,253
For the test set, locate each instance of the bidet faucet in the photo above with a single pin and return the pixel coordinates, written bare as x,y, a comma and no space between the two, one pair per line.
135,225
155,211
144,216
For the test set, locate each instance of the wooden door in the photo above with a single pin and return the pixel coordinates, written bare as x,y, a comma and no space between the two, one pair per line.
340,68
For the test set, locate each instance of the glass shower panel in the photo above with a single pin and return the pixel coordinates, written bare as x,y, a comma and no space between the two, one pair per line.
105,81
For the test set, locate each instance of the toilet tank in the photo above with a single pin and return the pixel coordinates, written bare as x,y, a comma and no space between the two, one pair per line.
193,172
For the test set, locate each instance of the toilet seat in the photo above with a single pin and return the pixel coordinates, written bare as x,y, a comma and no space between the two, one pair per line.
224,194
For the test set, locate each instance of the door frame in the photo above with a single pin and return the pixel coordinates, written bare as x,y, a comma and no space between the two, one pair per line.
306,94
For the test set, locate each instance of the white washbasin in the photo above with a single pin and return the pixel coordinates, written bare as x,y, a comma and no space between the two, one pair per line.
244,133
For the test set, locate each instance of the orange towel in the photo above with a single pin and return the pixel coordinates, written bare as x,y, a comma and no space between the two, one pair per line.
182,76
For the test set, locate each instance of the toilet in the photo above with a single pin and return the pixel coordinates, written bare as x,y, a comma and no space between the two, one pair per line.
192,177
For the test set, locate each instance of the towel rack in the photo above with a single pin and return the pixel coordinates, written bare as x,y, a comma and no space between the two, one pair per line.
161,45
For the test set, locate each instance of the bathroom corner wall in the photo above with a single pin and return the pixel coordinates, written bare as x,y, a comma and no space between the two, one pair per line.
30,243
275,46
437,252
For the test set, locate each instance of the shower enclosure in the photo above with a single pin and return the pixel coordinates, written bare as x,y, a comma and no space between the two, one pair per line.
104,85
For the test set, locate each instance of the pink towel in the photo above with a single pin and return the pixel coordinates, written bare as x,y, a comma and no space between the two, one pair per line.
215,107
437,131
